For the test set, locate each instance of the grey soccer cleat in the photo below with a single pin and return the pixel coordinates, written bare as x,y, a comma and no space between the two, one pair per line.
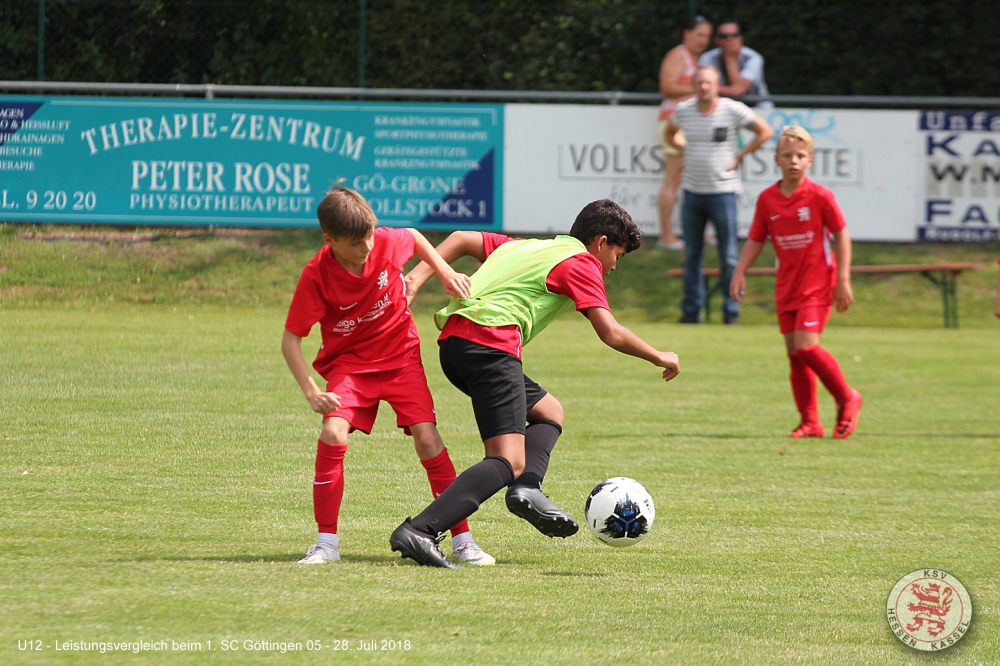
532,505
421,548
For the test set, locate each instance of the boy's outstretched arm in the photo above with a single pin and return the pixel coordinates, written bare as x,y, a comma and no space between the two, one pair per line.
320,401
843,295
455,284
738,283
621,339
457,244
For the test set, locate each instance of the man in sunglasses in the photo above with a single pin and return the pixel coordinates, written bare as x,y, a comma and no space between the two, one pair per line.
741,69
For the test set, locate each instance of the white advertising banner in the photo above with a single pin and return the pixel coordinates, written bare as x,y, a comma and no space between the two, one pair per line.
560,157
960,152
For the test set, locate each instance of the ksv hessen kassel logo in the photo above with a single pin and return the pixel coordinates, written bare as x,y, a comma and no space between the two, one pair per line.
929,609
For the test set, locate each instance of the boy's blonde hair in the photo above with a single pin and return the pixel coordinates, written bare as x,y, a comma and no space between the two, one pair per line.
343,213
795,133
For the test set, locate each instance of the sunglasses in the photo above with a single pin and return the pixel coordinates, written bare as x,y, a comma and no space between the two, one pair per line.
727,35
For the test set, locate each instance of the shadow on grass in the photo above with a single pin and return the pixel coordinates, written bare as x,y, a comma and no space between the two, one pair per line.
282,557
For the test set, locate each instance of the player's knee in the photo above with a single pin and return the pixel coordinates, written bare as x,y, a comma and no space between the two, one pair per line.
428,448
547,409
333,433
426,440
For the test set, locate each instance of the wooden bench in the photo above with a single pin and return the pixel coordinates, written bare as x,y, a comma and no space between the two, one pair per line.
944,277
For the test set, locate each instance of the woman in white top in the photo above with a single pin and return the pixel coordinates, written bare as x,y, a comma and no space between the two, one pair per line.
676,73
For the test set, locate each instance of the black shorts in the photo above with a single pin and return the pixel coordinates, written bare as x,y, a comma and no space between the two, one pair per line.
502,395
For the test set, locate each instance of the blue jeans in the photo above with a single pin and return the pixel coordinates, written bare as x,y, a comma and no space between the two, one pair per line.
696,211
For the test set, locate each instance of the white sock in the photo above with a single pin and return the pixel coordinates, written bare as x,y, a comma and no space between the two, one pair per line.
328,540
459,539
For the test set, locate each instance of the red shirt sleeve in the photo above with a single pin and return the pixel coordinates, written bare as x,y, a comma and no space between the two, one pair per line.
758,228
307,306
400,243
833,218
581,279
492,241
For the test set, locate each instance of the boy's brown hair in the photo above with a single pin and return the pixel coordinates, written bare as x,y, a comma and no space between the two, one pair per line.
343,213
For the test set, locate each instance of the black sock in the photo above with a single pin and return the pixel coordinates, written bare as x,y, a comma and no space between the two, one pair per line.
462,498
539,440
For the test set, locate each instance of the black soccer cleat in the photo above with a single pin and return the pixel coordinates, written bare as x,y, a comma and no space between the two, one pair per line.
419,547
532,505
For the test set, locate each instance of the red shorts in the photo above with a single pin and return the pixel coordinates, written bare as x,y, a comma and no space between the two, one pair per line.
811,318
404,389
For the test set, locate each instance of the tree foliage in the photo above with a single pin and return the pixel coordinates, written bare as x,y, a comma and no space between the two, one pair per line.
811,47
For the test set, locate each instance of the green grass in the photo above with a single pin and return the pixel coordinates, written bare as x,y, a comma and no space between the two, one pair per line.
156,468
260,269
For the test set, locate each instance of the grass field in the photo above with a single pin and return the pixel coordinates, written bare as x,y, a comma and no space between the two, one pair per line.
156,468
230,268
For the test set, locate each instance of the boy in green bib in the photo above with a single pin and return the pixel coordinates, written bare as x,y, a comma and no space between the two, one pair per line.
522,286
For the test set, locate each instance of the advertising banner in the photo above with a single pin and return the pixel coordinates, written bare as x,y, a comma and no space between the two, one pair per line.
870,160
247,163
560,157
961,162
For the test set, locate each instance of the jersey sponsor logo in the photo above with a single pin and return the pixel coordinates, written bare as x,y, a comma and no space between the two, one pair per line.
804,214
775,217
810,323
348,307
377,310
795,241
345,326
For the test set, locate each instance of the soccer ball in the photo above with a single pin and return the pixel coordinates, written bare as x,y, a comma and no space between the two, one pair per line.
620,512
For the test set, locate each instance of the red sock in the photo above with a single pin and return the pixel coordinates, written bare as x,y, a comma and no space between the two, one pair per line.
804,389
441,472
328,486
827,369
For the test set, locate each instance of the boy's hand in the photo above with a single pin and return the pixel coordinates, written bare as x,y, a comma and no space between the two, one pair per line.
738,286
671,365
456,284
412,286
843,295
324,403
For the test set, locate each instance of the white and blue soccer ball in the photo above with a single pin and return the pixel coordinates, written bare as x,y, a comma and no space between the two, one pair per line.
620,512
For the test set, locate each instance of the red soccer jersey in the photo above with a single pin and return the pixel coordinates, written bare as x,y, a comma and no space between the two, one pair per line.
799,227
365,322
580,277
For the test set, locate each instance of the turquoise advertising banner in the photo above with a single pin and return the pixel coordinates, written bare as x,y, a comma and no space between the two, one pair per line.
247,163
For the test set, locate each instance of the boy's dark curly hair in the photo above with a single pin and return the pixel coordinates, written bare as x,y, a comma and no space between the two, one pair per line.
606,218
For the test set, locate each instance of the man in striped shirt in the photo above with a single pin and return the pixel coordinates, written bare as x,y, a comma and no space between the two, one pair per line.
711,182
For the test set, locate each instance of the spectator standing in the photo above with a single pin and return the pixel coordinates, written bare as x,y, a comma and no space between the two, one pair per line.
676,73
741,69
711,182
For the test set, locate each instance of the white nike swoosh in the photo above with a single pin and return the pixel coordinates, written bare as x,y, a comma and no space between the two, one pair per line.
810,323
775,217
349,306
